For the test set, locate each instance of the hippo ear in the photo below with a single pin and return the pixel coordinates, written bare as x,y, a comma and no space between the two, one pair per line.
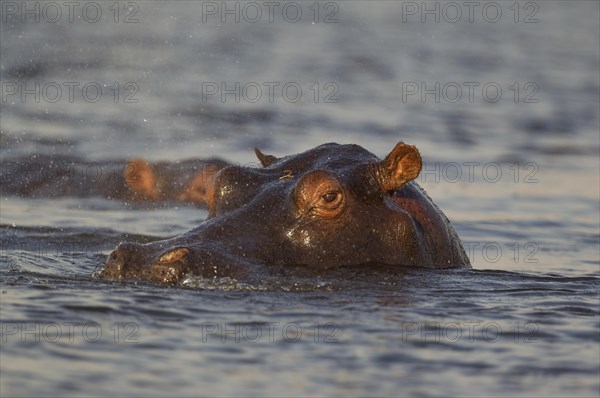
402,165
140,178
195,189
265,160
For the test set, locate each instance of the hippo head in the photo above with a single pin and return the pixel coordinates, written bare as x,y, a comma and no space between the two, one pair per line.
334,205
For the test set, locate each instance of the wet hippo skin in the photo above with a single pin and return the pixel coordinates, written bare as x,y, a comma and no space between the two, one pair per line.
331,206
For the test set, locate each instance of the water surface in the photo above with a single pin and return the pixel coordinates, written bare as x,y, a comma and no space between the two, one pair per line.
518,179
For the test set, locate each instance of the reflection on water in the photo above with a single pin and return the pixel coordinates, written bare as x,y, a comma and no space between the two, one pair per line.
518,177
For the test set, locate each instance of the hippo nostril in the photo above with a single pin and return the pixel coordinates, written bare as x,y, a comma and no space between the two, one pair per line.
116,259
173,255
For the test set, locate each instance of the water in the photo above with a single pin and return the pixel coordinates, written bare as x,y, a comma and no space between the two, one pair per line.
518,179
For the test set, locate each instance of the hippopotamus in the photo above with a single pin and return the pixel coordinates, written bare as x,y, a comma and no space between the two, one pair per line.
329,207
132,181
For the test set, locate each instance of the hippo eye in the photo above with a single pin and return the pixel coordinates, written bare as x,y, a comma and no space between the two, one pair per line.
330,201
320,193
330,197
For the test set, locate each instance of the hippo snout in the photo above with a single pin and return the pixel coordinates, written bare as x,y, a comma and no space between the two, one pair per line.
119,263
133,260
170,263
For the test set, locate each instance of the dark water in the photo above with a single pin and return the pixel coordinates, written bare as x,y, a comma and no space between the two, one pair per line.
516,174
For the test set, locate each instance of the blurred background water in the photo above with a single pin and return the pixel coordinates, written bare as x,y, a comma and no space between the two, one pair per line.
501,98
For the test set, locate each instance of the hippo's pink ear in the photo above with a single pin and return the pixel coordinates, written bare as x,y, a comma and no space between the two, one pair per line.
140,178
402,165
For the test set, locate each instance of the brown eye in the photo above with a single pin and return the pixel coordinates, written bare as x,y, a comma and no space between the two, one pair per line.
320,194
330,197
